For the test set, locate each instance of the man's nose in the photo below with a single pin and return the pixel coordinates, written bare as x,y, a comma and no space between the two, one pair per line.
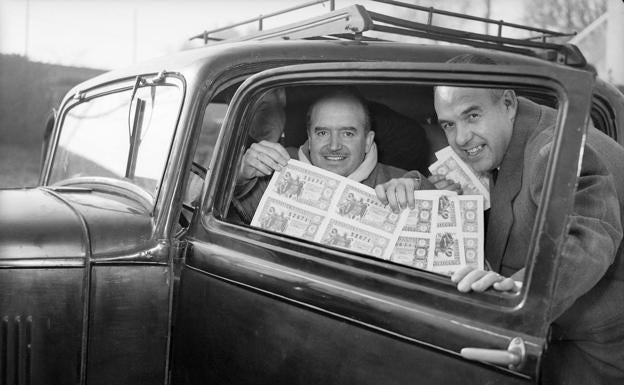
334,142
462,135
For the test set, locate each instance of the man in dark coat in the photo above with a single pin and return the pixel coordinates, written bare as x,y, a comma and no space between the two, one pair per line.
340,140
494,130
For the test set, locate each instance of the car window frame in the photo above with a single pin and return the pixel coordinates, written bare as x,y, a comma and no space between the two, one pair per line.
518,307
108,88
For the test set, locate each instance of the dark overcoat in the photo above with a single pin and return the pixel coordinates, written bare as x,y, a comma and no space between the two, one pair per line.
587,345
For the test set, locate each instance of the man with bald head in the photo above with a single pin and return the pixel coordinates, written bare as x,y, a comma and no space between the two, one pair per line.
340,140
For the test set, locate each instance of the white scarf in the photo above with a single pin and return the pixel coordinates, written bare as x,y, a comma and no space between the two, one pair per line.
362,172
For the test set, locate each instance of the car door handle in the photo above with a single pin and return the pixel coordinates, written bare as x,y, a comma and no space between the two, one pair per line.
513,357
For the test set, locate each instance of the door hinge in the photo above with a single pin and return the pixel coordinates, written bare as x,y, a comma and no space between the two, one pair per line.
181,249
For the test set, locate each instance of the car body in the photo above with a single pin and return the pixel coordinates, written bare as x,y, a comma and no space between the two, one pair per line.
136,275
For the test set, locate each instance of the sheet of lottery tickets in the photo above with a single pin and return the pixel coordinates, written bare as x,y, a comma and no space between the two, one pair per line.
311,203
443,232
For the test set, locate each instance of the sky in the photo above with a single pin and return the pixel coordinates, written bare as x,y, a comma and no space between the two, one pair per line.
108,34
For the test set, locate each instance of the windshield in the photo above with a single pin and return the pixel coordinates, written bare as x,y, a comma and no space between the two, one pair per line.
118,135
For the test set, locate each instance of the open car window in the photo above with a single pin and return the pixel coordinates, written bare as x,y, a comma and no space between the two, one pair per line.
443,233
392,85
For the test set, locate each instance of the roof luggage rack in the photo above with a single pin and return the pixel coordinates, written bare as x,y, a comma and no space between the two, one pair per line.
351,22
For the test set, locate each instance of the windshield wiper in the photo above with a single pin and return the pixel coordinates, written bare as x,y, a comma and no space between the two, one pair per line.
135,137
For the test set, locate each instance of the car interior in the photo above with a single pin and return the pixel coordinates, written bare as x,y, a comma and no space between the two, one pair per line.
402,115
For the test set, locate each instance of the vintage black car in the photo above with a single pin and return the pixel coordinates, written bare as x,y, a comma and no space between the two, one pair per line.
127,266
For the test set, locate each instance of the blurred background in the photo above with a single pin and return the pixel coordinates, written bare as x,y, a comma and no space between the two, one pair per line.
48,46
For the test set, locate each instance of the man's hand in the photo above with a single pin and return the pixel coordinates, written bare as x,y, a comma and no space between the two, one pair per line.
441,183
398,193
470,279
261,159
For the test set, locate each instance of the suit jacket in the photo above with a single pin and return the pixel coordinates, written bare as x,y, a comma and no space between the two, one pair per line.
588,301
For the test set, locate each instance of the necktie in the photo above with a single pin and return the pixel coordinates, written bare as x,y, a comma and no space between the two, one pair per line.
494,175
486,213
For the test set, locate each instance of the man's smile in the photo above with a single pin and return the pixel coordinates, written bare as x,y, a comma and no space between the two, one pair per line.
335,157
474,151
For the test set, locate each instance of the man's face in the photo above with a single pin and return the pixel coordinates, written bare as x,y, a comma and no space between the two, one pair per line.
337,137
477,127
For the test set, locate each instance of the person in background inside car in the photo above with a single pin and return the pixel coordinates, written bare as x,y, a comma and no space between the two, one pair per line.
495,131
339,140
269,117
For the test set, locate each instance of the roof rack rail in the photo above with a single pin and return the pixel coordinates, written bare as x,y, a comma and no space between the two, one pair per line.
206,35
544,33
351,22
560,53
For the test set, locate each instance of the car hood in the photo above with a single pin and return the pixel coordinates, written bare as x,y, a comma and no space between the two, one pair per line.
35,224
43,223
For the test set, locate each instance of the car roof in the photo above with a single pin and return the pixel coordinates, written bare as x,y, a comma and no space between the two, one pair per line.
220,57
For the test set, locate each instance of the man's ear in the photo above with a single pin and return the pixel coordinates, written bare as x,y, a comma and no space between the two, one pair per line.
511,103
370,138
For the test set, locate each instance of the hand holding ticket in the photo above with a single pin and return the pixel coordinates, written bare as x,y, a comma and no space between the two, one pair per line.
450,165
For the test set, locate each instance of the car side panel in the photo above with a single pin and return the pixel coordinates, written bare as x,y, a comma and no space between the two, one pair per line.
40,325
237,335
129,324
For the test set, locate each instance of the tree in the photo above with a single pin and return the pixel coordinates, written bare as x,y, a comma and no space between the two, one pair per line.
563,15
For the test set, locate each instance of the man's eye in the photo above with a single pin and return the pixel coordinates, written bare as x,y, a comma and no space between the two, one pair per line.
349,134
446,125
321,133
473,117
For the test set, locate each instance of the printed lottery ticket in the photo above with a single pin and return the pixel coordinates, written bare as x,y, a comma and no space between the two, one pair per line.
363,206
355,238
314,204
443,233
279,216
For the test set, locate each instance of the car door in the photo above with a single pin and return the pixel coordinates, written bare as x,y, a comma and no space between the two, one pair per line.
261,307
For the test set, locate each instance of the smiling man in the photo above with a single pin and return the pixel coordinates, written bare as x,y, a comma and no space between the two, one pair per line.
494,131
480,143
340,140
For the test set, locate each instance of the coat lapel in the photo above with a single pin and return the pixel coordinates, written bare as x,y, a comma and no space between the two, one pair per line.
508,184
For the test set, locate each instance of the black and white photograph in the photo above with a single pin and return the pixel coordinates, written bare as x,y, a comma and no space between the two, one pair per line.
141,143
